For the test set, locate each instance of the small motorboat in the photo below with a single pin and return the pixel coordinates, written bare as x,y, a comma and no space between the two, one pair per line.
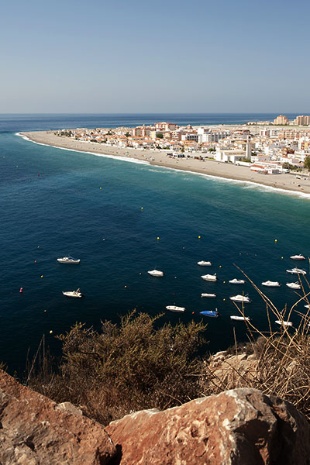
69,260
210,313
296,271
204,294
298,257
175,308
209,277
236,281
156,273
76,294
307,306
239,318
284,323
203,263
294,285
240,298
271,284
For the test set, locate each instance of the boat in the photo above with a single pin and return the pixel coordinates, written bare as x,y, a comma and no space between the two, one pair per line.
240,298
209,277
77,294
211,313
298,257
236,281
307,306
69,260
271,284
203,263
284,323
296,271
175,308
156,273
294,285
239,318
204,294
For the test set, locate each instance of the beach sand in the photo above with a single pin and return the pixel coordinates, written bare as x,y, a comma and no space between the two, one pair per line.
285,181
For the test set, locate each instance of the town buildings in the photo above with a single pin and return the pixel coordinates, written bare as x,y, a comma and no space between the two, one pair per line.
265,145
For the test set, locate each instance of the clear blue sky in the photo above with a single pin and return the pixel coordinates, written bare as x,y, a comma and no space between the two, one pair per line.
100,56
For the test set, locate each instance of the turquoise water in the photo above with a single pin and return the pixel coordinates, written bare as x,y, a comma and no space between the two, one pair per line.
122,219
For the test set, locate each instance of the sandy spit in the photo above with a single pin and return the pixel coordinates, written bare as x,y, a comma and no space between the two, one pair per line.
286,182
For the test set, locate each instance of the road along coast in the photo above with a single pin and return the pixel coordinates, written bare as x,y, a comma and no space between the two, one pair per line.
285,181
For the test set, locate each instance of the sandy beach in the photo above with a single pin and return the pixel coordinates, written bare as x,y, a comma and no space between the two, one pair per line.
287,181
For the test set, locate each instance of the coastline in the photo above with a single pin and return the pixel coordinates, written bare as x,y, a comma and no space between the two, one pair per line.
281,182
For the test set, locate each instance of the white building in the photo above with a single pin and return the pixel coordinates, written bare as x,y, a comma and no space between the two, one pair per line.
229,156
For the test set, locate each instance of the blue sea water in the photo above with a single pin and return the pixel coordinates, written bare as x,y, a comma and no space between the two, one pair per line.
122,219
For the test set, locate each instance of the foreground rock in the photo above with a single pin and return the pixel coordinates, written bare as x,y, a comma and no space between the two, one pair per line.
36,431
237,427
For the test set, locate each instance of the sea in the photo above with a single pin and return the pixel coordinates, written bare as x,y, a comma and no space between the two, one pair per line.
124,218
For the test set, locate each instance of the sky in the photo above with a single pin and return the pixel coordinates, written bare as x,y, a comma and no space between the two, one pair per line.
134,56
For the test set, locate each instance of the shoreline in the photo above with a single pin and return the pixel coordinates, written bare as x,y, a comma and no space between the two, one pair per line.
284,182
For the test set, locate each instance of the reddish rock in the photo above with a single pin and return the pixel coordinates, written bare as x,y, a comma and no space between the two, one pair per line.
36,431
237,427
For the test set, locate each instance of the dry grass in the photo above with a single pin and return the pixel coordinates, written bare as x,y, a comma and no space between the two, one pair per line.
279,363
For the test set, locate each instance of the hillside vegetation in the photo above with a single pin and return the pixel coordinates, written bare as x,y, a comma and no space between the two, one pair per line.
140,364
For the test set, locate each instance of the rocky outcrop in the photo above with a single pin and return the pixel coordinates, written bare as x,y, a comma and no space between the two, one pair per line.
36,431
232,370
237,427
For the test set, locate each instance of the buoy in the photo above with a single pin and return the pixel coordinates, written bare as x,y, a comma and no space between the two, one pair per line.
51,331
21,290
42,276
276,240
158,238
141,208
199,237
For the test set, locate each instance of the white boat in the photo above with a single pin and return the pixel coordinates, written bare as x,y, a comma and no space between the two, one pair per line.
156,273
69,260
307,306
77,294
203,263
284,323
209,277
271,284
204,294
240,298
294,285
298,257
175,308
296,271
239,318
236,281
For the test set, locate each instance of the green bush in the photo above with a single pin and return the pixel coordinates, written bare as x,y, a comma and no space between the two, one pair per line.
127,367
